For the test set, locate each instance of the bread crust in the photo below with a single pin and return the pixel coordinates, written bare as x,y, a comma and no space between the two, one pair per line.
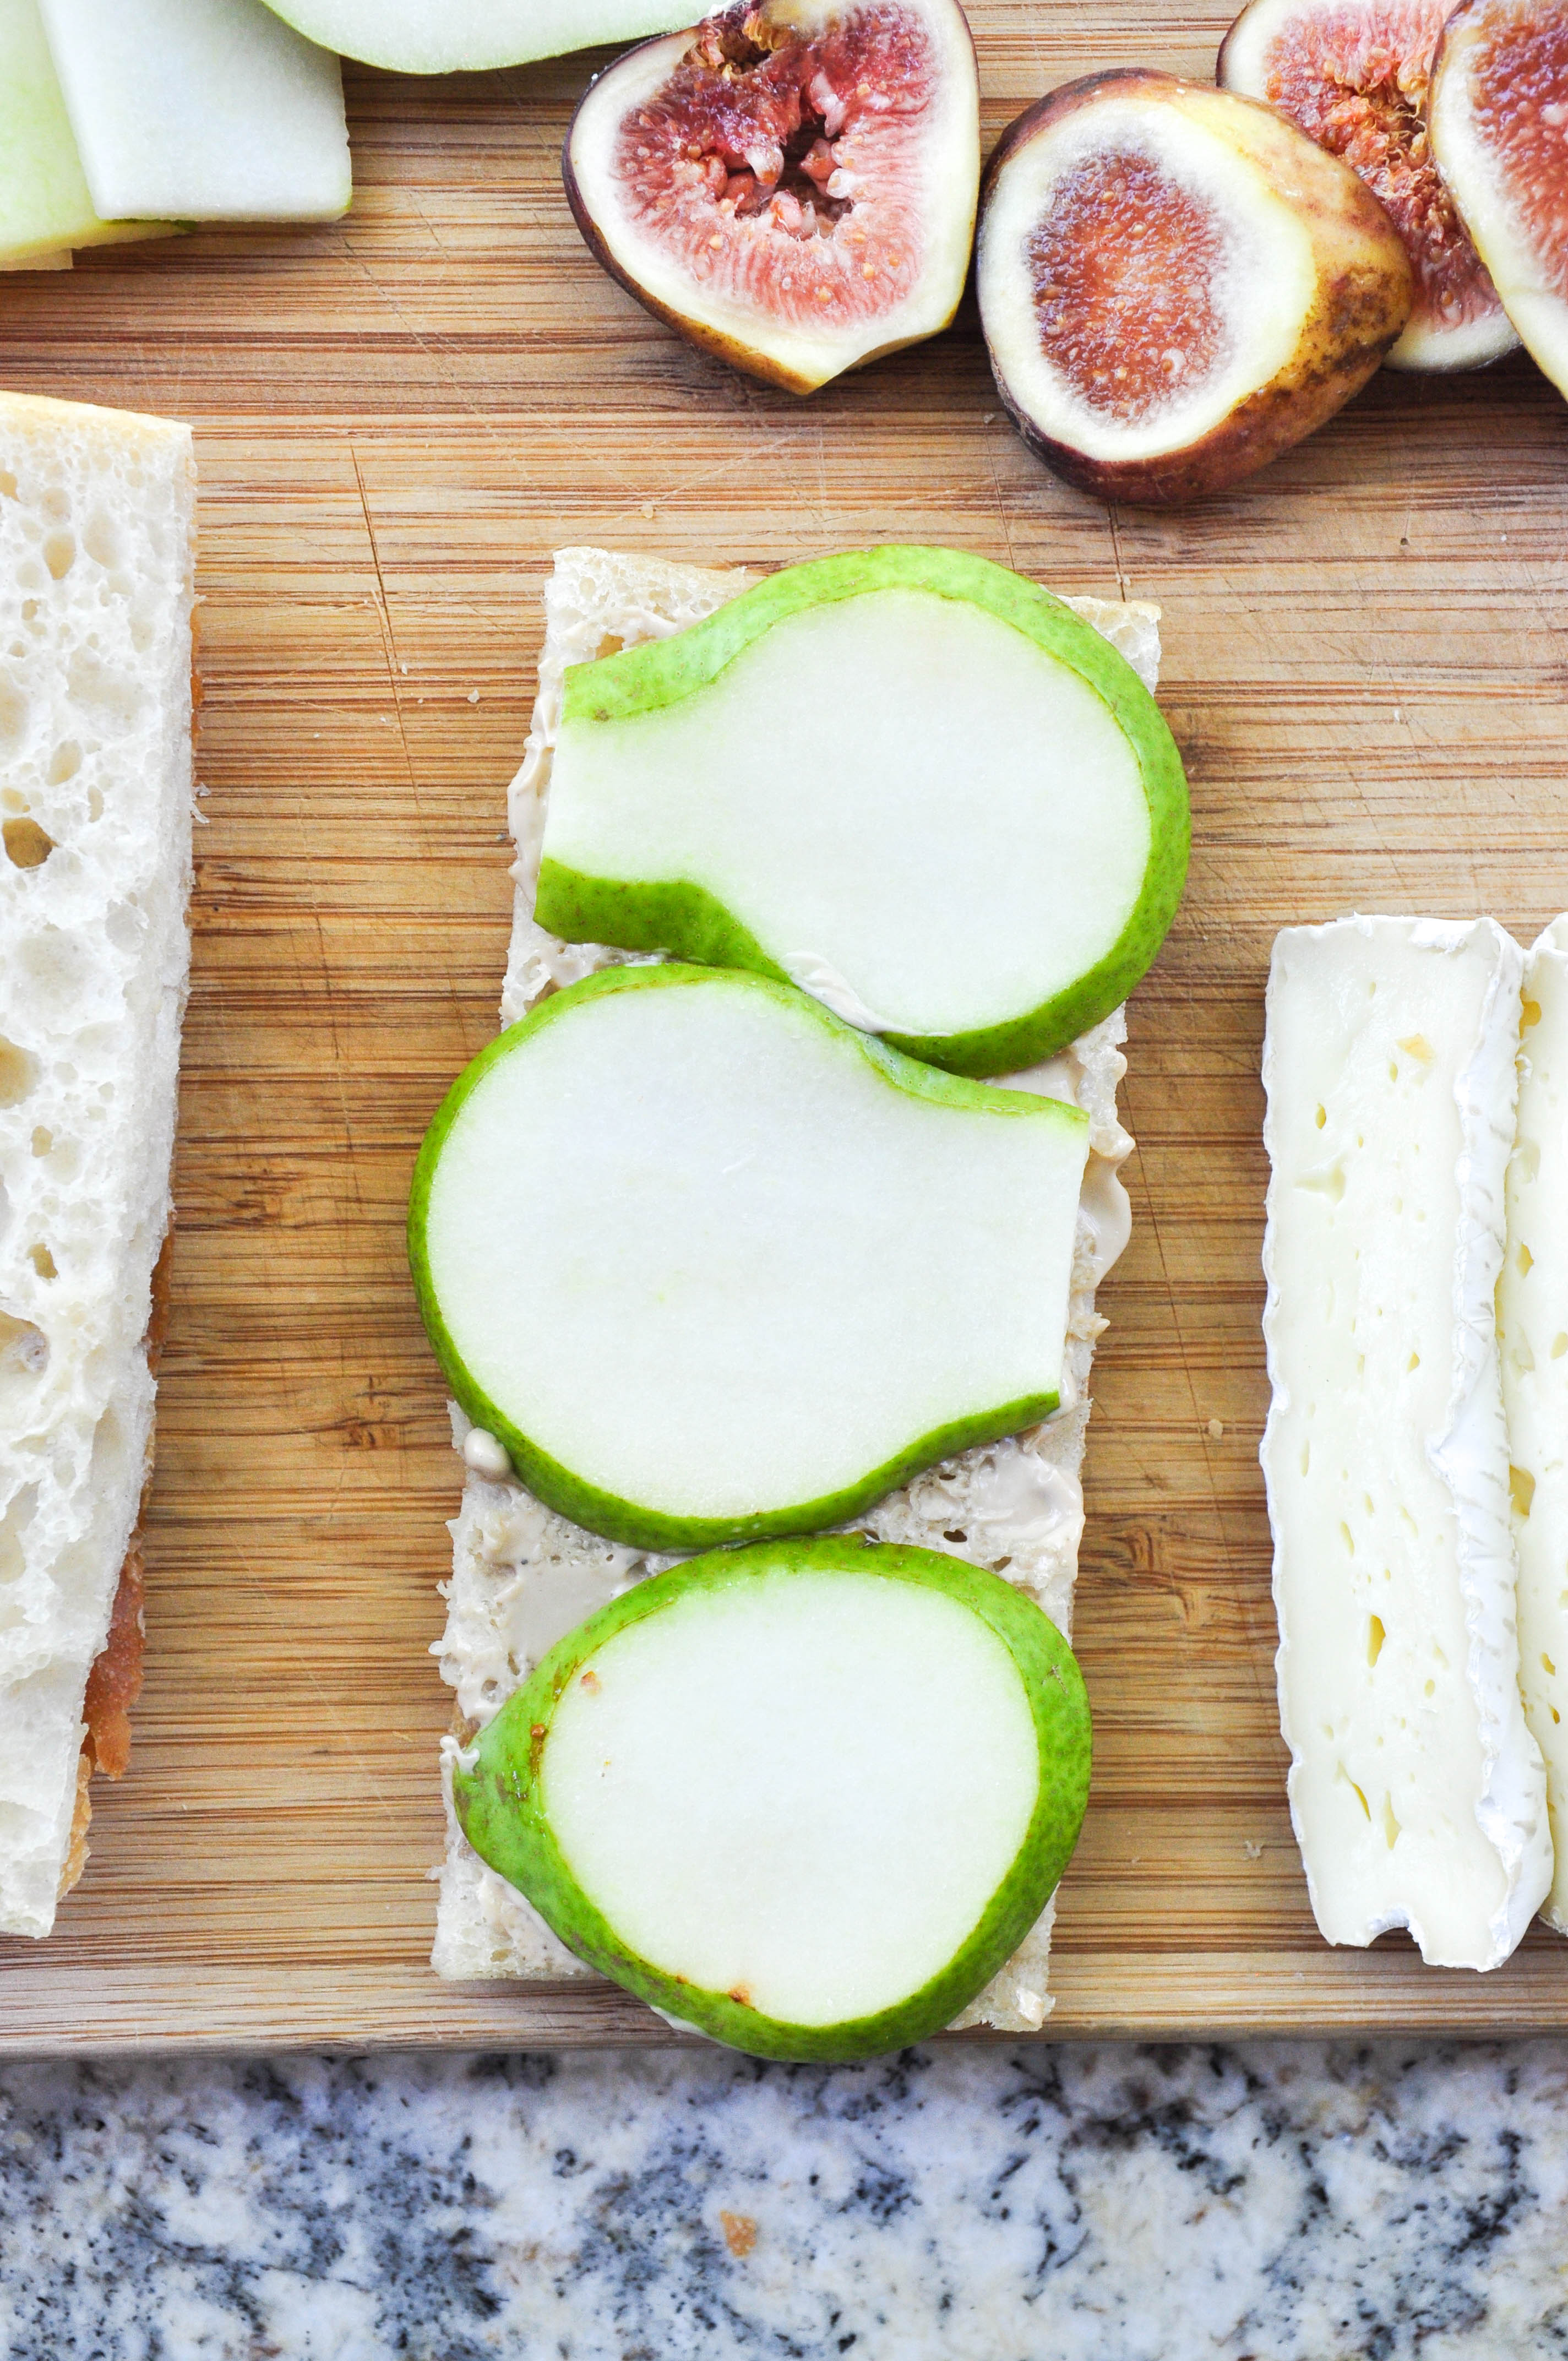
114,1682
114,1685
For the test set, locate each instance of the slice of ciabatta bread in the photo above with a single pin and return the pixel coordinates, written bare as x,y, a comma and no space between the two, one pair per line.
97,511
522,1576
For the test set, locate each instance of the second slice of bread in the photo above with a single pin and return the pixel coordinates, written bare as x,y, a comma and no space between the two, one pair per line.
522,1576
97,514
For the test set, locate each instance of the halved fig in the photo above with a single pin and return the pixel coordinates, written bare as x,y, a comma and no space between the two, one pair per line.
792,185
1354,75
1498,112
1176,284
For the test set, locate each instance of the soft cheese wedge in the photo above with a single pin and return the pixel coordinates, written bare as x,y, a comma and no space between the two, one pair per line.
1532,1325
977,853
712,1265
1417,1792
202,109
806,1797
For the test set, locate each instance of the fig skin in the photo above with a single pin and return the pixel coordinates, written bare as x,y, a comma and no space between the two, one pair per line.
1407,180
1530,288
939,288
1362,299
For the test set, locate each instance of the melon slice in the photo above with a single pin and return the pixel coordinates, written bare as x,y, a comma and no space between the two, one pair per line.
1498,110
433,36
711,1265
46,207
977,856
806,1797
211,110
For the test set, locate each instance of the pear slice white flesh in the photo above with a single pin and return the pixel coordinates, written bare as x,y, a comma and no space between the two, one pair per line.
46,207
713,1264
432,37
805,1796
209,110
910,781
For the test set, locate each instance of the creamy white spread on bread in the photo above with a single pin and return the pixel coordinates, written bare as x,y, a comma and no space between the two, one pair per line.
522,1577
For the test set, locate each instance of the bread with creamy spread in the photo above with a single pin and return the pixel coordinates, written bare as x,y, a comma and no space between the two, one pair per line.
522,1576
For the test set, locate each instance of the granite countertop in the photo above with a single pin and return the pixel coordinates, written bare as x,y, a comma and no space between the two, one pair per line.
1293,2202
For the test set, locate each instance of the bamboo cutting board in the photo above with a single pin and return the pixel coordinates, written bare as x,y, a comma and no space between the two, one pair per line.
398,418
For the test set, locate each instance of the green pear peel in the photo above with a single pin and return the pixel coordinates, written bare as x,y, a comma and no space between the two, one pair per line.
607,702
501,1791
1037,1204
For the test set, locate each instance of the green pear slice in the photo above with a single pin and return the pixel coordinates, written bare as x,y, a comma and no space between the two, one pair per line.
908,780
712,1265
430,36
45,205
210,110
806,1797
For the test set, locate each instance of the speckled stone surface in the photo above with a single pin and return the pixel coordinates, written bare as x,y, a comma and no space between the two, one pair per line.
1287,2203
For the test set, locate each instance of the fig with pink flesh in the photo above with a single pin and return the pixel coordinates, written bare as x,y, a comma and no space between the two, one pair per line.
792,185
1354,75
1498,112
1177,284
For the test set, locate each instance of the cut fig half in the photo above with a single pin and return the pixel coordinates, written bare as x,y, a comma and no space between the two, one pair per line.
1354,75
1176,284
1499,113
792,185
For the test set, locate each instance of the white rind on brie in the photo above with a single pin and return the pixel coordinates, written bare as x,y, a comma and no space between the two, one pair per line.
524,1577
1417,1792
1532,1331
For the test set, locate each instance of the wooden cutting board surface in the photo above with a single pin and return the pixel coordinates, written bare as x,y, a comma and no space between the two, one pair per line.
398,418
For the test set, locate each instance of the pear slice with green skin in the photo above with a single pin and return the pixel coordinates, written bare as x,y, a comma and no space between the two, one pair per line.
45,205
905,779
438,37
807,1797
713,1266
213,110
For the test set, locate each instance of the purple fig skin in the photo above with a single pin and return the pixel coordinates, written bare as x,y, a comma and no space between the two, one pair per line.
1364,299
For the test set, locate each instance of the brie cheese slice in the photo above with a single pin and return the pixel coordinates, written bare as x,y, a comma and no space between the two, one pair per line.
1532,1330
1417,1792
